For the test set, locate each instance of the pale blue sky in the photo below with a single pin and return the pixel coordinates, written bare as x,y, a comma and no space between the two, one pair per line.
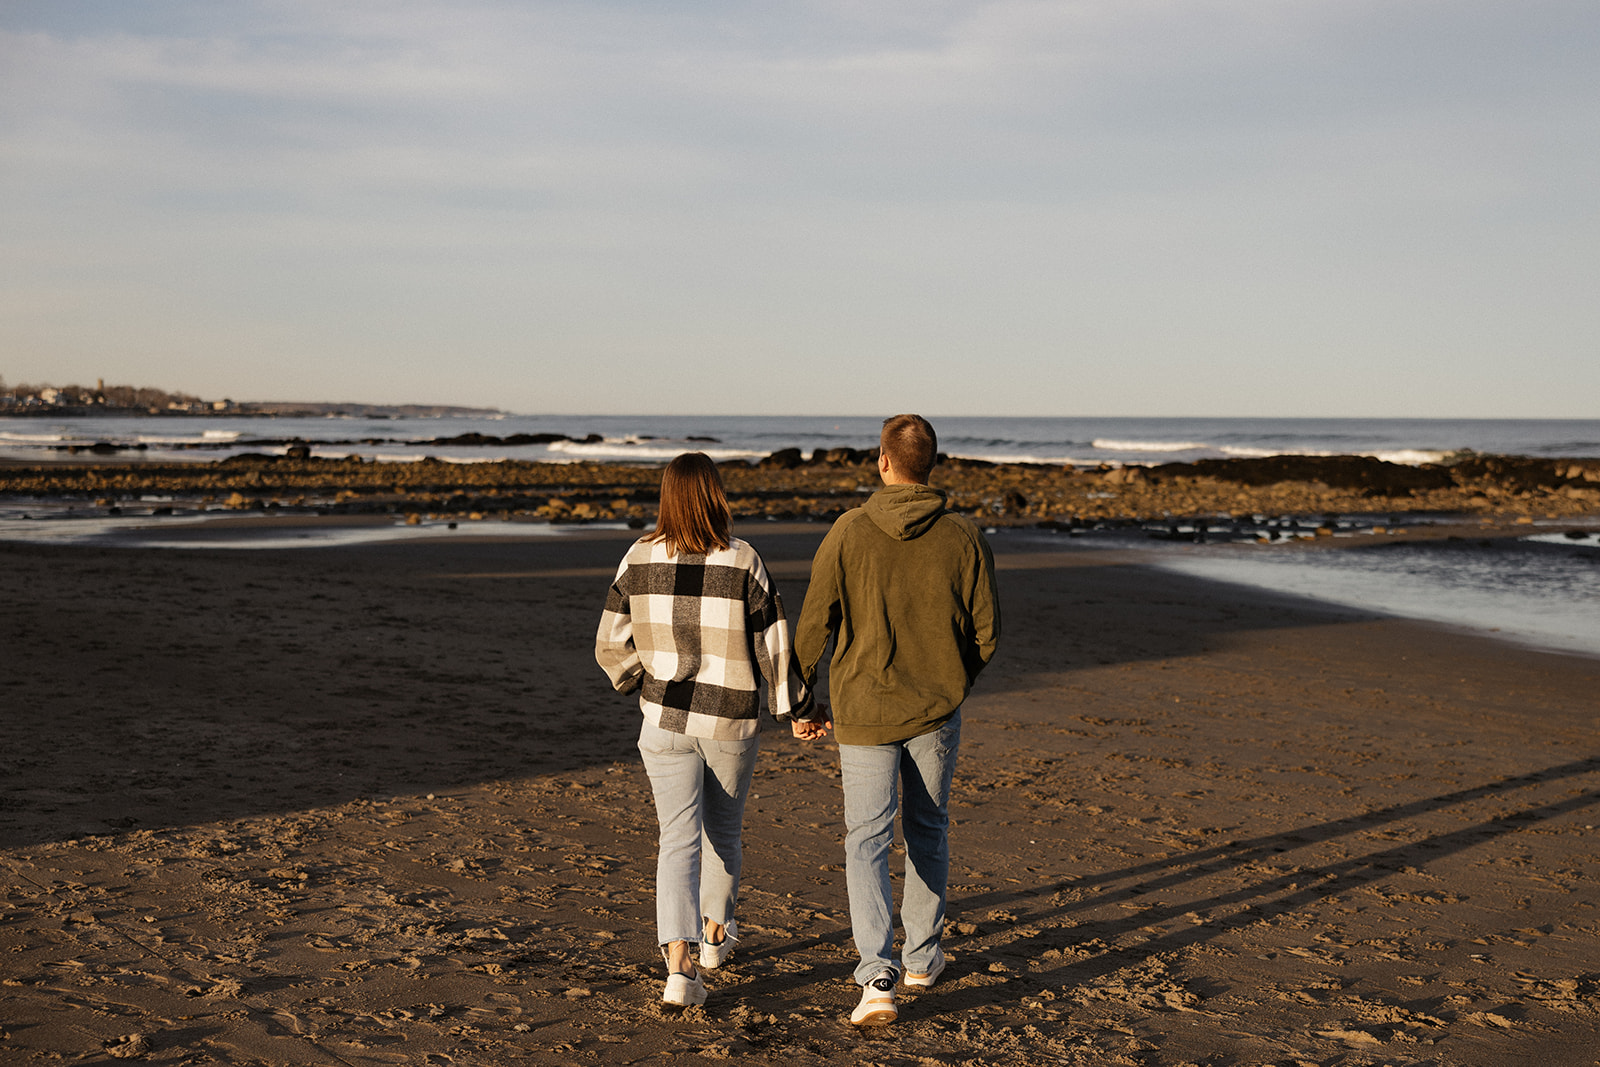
1106,207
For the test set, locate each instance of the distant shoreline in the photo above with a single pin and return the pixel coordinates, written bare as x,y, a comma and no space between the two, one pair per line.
265,409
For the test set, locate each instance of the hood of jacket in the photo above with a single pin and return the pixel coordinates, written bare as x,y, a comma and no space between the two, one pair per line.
905,512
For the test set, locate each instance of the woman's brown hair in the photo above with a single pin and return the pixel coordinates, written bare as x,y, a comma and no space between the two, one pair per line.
694,516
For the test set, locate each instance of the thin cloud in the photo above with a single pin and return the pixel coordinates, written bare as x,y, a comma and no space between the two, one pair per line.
1056,184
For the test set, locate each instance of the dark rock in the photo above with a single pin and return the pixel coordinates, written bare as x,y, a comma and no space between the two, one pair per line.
536,438
466,439
1516,473
1377,477
783,459
839,457
298,450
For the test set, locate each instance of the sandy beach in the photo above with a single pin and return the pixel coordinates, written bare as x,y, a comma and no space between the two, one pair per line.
377,805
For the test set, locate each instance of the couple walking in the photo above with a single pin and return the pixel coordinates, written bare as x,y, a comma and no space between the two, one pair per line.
905,589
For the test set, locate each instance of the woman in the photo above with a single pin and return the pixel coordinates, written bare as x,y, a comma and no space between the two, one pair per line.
693,621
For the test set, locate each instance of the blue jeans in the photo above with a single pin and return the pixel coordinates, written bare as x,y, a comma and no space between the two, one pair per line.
873,775
700,787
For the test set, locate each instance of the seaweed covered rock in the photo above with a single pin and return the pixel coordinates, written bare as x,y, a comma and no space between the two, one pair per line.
1374,477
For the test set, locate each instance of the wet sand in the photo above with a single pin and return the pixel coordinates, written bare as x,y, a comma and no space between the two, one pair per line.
376,805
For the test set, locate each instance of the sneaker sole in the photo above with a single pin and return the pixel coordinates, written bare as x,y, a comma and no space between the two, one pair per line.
925,981
882,1017
693,996
690,1003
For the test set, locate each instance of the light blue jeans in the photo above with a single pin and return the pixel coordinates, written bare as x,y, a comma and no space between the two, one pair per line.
700,787
873,777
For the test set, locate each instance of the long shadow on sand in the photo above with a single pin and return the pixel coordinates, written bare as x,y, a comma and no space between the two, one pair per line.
1094,948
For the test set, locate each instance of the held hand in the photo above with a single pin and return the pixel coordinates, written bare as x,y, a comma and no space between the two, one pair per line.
813,730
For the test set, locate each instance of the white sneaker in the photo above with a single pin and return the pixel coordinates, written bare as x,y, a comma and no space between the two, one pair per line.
714,956
684,991
933,972
877,1006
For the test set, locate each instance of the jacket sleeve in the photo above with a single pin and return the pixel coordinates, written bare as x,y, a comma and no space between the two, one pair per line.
614,649
822,611
788,694
984,607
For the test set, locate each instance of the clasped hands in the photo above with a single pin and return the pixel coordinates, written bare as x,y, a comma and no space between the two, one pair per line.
812,729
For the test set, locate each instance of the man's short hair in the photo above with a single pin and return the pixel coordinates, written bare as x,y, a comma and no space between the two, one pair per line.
911,445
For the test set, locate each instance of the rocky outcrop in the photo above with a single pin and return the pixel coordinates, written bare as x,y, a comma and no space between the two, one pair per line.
783,459
788,485
1374,477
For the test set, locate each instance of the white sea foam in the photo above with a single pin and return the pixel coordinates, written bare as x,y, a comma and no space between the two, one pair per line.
180,439
1591,539
631,448
221,435
1410,457
33,438
1110,445
1247,452
1026,457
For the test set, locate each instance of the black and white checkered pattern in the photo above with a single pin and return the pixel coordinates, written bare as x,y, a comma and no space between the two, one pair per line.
696,634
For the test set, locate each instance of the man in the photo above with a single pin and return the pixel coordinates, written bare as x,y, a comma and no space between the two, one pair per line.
906,590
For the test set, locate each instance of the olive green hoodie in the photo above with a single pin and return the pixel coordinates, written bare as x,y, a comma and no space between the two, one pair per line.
907,591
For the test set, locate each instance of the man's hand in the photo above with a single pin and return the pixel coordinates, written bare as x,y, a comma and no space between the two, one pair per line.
813,729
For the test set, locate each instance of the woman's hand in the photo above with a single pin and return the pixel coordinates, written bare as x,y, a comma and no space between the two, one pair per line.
812,729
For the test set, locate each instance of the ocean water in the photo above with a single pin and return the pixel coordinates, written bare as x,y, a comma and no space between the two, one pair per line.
657,438
1542,590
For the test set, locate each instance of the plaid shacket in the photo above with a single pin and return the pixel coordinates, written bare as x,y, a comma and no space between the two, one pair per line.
692,633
